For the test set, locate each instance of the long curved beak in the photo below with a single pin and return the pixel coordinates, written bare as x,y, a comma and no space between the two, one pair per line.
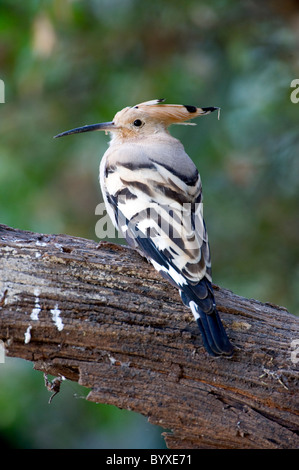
103,126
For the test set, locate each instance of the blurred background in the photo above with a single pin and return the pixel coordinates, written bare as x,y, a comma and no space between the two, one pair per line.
70,63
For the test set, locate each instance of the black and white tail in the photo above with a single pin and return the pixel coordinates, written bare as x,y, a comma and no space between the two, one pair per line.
200,299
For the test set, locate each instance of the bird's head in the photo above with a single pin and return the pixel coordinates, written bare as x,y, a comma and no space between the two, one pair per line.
144,119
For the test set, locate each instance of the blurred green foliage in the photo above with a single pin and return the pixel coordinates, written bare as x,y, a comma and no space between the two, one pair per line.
70,63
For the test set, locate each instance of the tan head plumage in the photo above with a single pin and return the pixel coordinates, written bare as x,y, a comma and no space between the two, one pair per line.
172,113
131,119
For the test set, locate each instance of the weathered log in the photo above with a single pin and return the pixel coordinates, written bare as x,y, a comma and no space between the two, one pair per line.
102,316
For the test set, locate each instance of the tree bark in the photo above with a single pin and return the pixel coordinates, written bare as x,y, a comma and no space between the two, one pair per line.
102,316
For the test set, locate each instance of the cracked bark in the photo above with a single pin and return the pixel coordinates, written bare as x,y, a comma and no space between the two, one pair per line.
102,316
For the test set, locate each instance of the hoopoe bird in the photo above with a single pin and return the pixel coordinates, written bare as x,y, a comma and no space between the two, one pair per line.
153,194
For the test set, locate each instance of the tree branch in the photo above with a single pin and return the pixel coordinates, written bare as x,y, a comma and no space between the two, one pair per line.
102,316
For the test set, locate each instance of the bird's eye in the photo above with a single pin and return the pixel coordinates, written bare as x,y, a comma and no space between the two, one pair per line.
137,123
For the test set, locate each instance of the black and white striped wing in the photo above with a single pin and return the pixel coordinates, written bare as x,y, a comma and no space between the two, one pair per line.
161,215
155,203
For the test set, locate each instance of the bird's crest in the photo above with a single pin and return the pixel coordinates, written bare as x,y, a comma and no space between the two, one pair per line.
166,114
173,113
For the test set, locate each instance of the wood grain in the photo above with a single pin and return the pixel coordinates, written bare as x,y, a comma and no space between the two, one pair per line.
102,316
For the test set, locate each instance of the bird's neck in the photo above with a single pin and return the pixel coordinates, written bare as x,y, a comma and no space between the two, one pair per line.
162,137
